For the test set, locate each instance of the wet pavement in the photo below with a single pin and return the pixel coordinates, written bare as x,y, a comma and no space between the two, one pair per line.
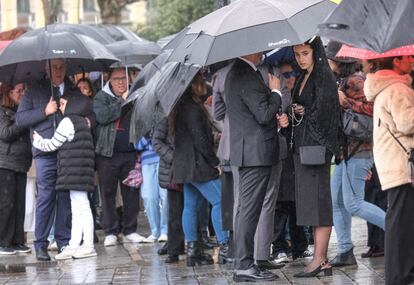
139,264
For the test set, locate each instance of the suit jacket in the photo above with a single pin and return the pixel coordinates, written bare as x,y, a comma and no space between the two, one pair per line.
31,111
251,109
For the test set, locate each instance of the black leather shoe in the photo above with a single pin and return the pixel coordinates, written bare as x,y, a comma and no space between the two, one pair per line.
327,271
164,249
344,259
253,274
42,255
269,264
172,259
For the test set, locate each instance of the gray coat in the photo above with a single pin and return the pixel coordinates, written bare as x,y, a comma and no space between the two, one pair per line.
251,109
15,147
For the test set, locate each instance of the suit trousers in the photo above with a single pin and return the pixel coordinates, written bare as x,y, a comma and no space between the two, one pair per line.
175,228
253,185
111,171
399,236
12,207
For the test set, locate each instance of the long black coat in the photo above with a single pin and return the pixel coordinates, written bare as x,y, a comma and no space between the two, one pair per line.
251,109
164,147
15,146
194,156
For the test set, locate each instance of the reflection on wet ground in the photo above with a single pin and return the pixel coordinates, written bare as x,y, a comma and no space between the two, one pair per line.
132,264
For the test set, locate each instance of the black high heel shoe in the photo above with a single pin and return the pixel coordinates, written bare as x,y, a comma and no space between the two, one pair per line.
327,271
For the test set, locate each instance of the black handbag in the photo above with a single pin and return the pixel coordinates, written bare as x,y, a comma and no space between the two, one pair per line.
357,125
312,155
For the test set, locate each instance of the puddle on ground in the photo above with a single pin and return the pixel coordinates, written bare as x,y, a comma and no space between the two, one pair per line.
22,268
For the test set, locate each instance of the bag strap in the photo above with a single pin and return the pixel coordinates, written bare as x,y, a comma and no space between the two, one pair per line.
395,138
354,150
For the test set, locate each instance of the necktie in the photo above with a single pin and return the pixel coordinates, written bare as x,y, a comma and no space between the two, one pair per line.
260,74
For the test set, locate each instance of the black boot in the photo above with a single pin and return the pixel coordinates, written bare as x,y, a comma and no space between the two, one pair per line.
224,250
206,242
344,259
195,255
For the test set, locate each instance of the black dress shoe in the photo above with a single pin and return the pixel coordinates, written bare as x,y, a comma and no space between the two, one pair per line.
253,274
344,259
269,264
164,249
373,251
42,255
172,259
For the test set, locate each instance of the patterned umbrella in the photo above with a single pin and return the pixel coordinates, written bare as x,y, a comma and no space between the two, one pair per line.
348,51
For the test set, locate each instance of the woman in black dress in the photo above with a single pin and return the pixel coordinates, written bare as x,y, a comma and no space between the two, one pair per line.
315,120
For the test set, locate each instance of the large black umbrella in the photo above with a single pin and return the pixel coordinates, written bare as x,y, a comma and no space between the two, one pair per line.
23,59
249,26
90,31
375,25
118,33
158,97
134,52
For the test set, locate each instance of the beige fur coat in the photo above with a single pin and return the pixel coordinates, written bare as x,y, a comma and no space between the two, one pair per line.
393,100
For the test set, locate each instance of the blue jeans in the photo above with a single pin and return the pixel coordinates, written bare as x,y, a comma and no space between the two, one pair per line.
48,202
155,200
193,193
348,187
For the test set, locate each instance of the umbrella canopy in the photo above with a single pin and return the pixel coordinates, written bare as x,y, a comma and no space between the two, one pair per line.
90,31
232,31
375,25
165,40
134,52
118,33
22,60
158,97
4,44
360,53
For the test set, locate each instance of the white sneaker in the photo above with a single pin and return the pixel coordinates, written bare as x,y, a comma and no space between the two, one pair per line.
281,258
150,239
134,237
84,252
110,240
163,238
66,253
52,246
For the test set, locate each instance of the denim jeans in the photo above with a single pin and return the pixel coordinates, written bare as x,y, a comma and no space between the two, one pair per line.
193,193
155,200
348,186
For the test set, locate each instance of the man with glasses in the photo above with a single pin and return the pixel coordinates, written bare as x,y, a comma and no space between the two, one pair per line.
115,158
38,111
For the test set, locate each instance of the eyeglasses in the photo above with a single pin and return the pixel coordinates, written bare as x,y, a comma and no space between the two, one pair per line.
118,79
289,74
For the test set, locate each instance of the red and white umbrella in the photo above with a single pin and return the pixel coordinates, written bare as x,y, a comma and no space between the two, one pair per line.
4,44
360,53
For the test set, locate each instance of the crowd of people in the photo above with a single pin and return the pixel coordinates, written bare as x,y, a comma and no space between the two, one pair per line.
253,148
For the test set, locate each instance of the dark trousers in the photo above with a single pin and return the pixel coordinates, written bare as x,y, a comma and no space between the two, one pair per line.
175,227
51,205
12,207
111,171
227,200
253,186
286,213
399,236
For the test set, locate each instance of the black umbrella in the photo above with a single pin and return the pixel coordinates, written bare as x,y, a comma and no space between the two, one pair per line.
158,97
375,25
90,31
23,59
134,52
118,33
249,26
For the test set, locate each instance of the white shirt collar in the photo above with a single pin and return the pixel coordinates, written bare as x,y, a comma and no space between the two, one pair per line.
61,88
249,63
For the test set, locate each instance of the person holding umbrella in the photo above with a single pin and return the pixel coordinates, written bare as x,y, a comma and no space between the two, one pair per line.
38,111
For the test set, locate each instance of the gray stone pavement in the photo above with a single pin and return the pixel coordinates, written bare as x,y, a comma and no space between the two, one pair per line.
140,264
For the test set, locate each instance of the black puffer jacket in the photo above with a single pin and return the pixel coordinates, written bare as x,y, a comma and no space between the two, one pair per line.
15,146
164,147
194,157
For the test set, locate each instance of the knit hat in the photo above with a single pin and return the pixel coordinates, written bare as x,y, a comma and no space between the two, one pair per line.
332,49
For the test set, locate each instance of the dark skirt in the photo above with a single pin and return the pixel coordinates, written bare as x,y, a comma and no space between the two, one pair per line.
313,194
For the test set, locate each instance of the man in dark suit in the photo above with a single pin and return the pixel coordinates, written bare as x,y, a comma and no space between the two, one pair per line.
38,111
252,108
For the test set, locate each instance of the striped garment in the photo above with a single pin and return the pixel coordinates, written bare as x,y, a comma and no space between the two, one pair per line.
64,132
148,155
